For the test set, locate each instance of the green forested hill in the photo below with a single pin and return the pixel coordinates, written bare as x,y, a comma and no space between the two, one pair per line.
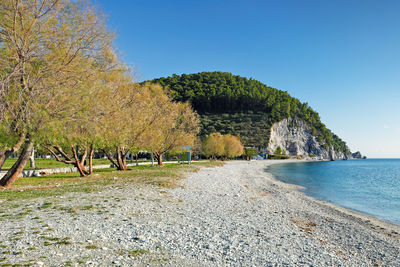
232,104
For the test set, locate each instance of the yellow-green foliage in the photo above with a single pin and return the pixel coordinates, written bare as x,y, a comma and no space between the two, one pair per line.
65,90
213,145
233,147
217,145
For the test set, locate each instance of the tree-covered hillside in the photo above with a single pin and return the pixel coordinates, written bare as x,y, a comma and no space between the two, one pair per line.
232,104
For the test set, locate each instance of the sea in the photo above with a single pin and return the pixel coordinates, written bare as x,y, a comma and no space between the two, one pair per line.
370,186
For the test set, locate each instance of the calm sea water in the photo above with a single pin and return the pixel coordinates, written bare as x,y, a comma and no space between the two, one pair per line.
370,186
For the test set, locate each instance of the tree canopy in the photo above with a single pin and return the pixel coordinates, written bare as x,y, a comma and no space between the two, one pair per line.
217,145
63,88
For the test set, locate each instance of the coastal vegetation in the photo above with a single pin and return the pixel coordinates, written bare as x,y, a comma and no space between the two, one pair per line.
65,92
249,153
231,104
60,184
224,146
64,89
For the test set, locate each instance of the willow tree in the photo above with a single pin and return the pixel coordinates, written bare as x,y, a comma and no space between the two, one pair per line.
74,144
218,145
48,49
75,139
134,111
177,125
233,147
213,145
118,119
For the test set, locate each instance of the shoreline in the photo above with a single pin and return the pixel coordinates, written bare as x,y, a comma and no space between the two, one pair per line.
234,215
371,221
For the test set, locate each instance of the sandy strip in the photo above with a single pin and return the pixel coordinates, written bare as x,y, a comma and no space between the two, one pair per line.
235,215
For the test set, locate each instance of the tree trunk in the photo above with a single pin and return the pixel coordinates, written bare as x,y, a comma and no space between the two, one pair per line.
159,159
6,154
3,156
75,160
110,158
15,171
123,155
121,159
32,159
78,164
91,160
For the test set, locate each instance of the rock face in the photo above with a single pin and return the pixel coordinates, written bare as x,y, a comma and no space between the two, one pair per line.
356,155
294,136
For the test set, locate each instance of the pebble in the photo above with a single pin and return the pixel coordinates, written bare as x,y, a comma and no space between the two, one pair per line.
218,222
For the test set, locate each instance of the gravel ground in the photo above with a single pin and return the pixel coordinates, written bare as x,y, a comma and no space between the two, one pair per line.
235,215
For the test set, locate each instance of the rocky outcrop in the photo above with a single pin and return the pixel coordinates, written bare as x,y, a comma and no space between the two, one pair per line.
356,155
295,138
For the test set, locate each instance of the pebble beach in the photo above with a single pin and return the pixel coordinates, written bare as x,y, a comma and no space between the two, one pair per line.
234,215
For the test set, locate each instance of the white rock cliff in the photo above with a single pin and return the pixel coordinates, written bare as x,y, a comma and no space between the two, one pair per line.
294,136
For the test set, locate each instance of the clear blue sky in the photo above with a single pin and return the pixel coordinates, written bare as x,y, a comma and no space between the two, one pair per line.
342,57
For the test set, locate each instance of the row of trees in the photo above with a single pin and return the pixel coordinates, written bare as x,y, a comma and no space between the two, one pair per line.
64,88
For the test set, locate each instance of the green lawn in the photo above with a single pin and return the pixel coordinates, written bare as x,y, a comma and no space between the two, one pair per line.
51,163
59,184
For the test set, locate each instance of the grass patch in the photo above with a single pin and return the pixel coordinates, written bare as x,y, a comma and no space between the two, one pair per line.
91,246
137,252
89,207
45,205
67,209
278,156
60,184
50,163
51,238
56,241
64,241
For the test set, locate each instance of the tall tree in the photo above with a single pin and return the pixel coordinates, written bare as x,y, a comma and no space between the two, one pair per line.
233,147
48,49
249,153
75,139
214,145
136,111
177,125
